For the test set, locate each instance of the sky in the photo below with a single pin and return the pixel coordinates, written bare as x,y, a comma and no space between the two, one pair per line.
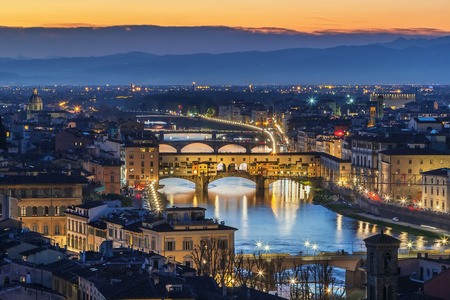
298,15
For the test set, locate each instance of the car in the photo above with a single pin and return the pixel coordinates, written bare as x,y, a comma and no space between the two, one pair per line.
396,219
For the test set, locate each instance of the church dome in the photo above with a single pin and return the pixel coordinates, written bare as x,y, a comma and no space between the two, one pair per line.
35,98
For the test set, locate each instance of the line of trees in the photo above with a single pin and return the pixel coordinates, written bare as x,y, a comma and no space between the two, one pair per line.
315,281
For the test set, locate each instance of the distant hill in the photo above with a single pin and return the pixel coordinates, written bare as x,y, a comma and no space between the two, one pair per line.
39,42
370,64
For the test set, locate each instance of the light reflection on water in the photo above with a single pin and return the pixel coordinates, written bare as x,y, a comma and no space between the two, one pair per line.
283,218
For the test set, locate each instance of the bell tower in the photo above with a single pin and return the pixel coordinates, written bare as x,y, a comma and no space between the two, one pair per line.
382,267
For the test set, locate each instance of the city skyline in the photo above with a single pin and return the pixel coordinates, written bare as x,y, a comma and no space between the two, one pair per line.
285,15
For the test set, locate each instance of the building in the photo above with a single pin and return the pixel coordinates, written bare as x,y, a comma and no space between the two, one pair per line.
175,235
391,101
42,201
382,266
435,189
425,124
73,139
106,173
35,105
185,229
141,164
82,226
260,117
365,161
400,171
334,170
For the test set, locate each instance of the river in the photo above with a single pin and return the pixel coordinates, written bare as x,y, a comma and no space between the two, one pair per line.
283,219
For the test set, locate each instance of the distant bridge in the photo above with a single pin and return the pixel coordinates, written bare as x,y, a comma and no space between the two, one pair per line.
212,146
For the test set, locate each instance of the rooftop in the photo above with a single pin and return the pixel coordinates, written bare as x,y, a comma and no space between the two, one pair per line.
382,238
47,178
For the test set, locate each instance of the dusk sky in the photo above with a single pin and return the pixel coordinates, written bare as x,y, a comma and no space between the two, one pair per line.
299,15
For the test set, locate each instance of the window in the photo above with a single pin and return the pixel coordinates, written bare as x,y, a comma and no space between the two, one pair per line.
45,230
421,161
437,191
410,161
142,156
170,246
223,244
187,245
431,190
131,163
46,211
34,212
57,230
398,161
68,192
131,170
34,228
23,211
409,171
131,156
431,162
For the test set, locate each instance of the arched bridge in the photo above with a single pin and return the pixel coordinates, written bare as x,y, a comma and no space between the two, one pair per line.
212,146
352,264
202,181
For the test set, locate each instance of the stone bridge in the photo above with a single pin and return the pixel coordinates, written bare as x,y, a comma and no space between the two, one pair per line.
352,264
202,181
212,145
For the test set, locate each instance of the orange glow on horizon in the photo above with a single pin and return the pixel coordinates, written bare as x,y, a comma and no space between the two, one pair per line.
261,15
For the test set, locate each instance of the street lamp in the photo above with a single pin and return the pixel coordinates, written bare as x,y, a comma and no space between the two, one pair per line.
314,248
260,279
409,248
307,246
444,242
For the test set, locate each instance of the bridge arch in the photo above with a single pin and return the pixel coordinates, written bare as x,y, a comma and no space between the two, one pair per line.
243,167
221,167
260,149
164,148
232,167
232,148
197,148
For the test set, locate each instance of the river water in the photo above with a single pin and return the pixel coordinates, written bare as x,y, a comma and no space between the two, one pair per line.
283,219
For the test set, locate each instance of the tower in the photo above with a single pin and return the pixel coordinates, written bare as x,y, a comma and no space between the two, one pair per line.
382,267
34,104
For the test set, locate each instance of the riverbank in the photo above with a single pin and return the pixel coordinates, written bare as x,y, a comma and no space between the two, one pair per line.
339,205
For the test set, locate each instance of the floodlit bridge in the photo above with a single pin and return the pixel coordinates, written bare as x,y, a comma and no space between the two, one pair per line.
261,168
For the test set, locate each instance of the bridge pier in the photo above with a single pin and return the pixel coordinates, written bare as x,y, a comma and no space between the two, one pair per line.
201,183
356,278
261,183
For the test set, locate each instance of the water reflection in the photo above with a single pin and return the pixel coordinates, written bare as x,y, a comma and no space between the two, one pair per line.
283,217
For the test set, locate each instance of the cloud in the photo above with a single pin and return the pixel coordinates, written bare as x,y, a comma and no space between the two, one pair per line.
70,25
403,31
